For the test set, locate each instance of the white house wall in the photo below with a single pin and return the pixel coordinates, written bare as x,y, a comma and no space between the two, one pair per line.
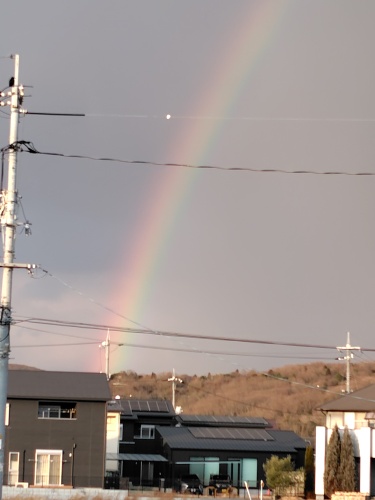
320,453
113,438
365,440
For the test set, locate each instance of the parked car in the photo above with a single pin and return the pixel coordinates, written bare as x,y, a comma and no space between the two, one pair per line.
190,483
219,483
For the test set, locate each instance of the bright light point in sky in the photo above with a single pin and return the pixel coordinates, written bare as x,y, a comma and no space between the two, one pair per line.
168,117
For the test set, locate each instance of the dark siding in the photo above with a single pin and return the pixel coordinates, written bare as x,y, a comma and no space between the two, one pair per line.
26,433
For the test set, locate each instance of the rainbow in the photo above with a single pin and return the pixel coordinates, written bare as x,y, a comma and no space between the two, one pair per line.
253,35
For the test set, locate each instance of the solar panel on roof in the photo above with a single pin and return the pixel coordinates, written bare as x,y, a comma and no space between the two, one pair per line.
230,433
213,419
163,406
155,406
126,409
134,405
143,405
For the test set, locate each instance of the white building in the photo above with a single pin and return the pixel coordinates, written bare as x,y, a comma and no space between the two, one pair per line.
357,412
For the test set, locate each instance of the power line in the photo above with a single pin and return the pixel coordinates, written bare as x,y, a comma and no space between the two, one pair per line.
17,320
28,147
173,349
308,386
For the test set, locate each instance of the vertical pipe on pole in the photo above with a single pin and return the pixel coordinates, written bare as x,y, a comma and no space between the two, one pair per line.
8,228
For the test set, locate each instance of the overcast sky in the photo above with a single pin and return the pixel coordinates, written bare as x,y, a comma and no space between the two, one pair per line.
285,85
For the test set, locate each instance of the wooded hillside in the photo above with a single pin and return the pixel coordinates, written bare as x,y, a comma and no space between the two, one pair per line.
289,403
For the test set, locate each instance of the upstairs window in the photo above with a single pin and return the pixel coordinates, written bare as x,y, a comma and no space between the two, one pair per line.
55,409
146,432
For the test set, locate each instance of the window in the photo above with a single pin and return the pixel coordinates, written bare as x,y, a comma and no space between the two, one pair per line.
146,432
147,471
7,414
360,420
48,467
249,471
14,461
57,410
204,467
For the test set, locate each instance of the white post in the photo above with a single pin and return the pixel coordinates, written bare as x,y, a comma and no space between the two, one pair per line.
9,201
365,441
320,456
247,489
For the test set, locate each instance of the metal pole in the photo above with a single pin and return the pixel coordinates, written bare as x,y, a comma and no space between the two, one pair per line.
8,227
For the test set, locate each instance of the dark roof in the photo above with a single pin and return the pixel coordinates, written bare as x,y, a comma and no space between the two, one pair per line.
182,438
230,433
68,386
362,400
223,421
114,406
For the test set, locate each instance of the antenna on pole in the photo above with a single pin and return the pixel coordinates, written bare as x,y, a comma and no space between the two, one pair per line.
9,201
348,356
174,380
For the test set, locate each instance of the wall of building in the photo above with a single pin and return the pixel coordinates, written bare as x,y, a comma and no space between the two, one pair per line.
82,441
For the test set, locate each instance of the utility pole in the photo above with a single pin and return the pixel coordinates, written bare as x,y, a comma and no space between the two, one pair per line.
174,380
106,344
8,222
348,356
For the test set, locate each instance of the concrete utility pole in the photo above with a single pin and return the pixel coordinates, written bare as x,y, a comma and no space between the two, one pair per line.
106,343
348,356
174,380
8,223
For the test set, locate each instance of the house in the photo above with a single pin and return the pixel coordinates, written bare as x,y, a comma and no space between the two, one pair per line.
157,446
356,411
234,446
56,428
139,459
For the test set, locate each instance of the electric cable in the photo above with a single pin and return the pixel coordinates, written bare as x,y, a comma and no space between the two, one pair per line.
173,349
28,147
17,321
51,322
